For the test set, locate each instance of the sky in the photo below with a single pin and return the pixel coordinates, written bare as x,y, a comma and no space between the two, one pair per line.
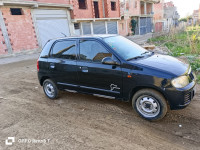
185,7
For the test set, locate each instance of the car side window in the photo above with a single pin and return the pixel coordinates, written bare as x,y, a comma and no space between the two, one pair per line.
92,51
65,49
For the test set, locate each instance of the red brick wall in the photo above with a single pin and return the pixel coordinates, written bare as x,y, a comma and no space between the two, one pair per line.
89,12
20,30
100,9
134,8
77,13
110,13
82,13
3,48
158,11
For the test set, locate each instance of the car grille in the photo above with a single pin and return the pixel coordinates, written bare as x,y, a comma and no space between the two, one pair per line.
188,97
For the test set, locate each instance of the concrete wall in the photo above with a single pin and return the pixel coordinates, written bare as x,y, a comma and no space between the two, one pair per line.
52,1
3,48
123,27
20,29
158,26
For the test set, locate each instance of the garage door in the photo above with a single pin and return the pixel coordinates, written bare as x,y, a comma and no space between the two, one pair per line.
112,27
99,28
86,28
145,25
51,24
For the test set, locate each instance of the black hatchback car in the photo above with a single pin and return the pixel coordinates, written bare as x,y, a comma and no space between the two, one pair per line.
113,67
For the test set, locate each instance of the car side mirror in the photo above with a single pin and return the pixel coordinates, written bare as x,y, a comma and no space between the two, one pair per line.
109,61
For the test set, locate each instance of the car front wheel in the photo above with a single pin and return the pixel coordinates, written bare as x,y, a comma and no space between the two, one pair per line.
149,104
50,89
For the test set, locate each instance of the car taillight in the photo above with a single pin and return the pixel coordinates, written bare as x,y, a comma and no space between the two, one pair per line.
38,65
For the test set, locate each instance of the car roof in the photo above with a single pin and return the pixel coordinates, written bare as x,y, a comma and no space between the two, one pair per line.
99,36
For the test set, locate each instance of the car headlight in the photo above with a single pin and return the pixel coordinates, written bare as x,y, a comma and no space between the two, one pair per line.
180,82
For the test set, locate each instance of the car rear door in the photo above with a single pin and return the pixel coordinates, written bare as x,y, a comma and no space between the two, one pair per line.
95,77
63,64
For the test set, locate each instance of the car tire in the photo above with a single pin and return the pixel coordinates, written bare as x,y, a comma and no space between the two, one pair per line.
150,104
50,89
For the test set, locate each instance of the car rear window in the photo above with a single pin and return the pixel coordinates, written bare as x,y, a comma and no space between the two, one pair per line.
65,49
46,49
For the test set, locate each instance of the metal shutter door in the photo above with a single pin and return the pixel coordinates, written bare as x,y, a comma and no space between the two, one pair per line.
112,27
142,26
99,28
86,28
51,24
149,25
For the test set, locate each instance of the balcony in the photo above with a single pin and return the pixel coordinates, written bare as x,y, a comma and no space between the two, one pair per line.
152,1
146,8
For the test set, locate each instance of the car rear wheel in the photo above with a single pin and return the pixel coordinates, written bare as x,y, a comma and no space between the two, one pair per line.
149,104
50,89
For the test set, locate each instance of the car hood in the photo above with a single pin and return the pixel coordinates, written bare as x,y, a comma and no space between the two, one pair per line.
165,63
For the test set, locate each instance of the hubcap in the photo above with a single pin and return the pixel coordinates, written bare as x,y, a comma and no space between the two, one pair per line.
148,106
49,89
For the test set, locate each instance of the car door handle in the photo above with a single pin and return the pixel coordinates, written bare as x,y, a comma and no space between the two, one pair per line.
52,66
84,69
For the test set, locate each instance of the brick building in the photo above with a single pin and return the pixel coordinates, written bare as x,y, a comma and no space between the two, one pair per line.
171,15
95,17
29,24
195,16
159,16
136,17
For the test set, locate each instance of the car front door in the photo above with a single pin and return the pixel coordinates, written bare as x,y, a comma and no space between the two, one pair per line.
95,77
63,64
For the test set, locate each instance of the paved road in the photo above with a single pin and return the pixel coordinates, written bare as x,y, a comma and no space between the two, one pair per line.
77,121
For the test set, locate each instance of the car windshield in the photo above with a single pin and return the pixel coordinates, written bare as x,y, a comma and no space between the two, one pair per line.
125,48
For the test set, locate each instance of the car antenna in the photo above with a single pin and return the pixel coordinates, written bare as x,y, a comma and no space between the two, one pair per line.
64,34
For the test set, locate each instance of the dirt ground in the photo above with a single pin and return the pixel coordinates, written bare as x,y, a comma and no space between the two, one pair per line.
83,122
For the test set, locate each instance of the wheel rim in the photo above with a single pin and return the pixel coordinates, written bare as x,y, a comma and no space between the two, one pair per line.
49,89
148,106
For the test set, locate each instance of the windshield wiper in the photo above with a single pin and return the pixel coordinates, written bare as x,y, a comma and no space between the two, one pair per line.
145,52
135,57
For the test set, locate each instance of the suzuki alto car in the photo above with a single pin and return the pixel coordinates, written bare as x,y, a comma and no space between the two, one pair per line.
113,67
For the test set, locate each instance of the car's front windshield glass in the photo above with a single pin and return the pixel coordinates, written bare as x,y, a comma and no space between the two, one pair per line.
125,48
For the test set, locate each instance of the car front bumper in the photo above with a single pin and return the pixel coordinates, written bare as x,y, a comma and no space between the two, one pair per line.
180,98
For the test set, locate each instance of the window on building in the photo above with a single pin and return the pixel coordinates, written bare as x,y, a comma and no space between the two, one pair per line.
92,51
82,4
16,11
65,49
113,6
76,26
